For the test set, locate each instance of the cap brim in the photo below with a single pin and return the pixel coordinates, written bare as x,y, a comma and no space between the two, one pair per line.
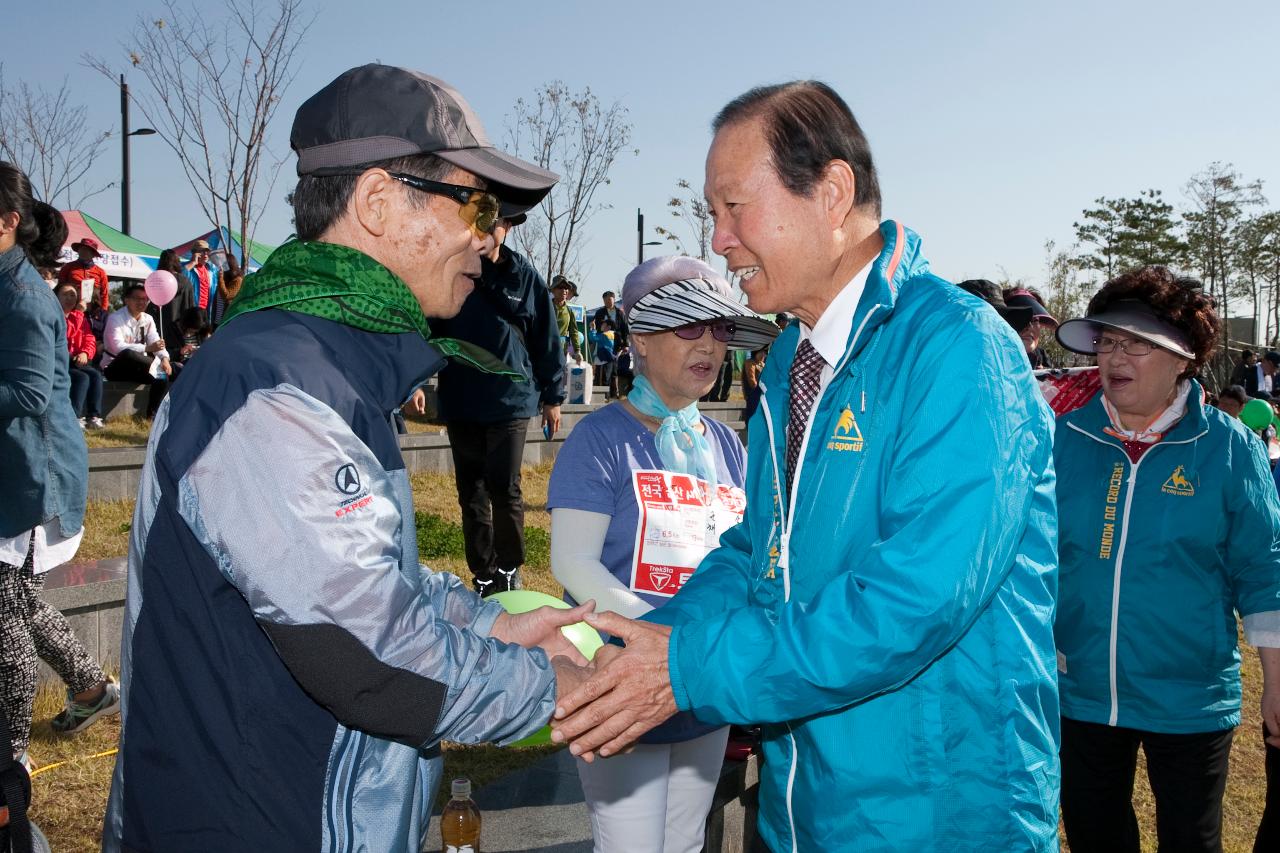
77,245
680,303
1018,318
518,184
1077,335
1038,311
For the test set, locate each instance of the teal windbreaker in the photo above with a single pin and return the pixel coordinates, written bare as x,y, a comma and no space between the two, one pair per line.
896,641
1157,557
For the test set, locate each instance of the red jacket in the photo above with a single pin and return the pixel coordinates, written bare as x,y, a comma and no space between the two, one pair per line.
74,273
79,337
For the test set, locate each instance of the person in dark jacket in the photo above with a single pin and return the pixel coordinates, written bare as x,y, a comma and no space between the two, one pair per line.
169,316
609,311
1259,378
290,668
511,315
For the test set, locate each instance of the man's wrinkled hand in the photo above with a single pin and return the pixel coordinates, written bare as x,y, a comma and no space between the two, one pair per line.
628,695
569,676
541,628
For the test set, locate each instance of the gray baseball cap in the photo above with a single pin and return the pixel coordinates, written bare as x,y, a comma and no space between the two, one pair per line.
377,112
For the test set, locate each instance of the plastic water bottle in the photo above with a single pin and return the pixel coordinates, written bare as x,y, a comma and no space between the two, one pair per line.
460,822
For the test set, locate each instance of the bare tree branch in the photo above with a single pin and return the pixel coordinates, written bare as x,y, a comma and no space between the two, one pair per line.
570,134
48,137
692,211
212,90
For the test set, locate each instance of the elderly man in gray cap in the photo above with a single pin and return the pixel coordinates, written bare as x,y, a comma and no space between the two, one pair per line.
289,668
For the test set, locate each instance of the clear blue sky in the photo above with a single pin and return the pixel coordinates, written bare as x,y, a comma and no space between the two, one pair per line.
993,124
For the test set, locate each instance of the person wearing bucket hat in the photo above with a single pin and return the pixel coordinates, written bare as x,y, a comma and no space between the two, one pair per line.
612,541
85,273
203,275
1168,526
290,668
562,290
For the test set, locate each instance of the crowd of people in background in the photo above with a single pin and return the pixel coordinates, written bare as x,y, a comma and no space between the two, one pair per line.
116,333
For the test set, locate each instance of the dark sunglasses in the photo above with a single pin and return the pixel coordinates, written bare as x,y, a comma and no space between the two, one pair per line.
479,208
722,330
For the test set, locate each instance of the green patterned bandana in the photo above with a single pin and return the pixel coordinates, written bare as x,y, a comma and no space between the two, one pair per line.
346,286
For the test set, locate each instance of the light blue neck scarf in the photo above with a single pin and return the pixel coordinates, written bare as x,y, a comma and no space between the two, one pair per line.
682,448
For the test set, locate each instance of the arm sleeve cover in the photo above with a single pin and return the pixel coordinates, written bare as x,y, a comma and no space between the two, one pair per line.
303,520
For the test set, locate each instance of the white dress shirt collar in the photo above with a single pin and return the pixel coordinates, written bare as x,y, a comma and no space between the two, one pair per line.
830,335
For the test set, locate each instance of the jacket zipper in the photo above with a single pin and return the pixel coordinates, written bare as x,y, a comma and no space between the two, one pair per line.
1132,483
784,556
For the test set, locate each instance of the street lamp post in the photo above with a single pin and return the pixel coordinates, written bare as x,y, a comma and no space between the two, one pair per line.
640,243
124,153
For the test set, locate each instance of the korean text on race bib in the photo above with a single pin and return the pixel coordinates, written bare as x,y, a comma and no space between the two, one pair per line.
681,519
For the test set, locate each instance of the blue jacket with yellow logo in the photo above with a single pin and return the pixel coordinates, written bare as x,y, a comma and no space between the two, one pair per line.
896,640
1156,558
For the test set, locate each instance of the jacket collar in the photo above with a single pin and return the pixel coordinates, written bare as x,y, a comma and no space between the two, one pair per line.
899,260
1093,419
11,259
391,366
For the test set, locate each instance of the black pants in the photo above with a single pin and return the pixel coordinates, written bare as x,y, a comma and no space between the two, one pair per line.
1188,775
486,465
1268,840
607,377
133,366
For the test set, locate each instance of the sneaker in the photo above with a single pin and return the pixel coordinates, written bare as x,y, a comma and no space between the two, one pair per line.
96,423
82,423
508,579
77,717
484,588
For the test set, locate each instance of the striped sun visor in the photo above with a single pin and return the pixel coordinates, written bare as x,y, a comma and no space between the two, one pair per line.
696,300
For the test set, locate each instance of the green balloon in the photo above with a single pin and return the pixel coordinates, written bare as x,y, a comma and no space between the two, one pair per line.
585,638
1257,414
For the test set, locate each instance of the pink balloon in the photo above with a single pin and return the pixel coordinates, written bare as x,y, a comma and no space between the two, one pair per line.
161,287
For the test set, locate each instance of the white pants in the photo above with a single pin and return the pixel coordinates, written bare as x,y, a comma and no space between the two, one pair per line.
656,798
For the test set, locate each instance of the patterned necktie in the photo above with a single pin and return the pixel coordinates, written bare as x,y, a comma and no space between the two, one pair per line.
806,378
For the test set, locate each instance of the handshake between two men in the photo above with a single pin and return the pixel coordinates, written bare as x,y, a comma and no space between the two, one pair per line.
605,705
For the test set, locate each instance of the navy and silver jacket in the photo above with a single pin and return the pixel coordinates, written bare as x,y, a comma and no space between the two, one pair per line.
289,669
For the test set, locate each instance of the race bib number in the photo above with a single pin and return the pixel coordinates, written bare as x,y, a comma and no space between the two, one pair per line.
681,520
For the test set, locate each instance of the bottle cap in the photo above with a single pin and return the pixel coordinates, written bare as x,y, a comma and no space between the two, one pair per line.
461,789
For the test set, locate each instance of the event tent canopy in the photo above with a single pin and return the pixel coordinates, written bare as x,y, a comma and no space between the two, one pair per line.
122,255
223,239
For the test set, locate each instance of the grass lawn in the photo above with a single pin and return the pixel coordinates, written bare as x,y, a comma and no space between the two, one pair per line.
70,800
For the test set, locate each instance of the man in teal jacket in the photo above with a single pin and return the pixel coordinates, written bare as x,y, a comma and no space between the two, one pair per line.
885,609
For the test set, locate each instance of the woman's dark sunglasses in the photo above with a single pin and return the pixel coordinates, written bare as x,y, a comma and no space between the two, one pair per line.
722,330
479,208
